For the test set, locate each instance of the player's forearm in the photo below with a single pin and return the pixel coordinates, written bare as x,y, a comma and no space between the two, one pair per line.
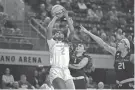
50,28
73,67
51,24
97,39
70,24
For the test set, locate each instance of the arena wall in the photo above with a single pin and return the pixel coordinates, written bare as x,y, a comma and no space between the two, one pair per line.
35,58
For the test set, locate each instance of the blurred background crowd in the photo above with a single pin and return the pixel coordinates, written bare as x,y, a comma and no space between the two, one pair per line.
112,20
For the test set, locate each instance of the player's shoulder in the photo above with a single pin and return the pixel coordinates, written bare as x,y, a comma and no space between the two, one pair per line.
50,40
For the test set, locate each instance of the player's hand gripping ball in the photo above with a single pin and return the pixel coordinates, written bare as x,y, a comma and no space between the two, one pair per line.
57,10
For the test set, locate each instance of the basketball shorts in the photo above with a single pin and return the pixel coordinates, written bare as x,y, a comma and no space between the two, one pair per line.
57,72
80,83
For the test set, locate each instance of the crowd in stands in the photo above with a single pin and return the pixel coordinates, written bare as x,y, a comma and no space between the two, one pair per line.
11,37
112,20
40,80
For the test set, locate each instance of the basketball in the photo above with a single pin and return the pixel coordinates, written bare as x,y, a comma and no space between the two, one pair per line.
57,10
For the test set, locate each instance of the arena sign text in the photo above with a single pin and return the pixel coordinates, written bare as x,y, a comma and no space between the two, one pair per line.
22,57
34,58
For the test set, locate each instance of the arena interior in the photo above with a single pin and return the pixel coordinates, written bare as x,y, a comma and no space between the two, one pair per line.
23,46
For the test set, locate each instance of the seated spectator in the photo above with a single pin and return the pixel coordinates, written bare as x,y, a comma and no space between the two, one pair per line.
29,12
103,36
91,14
15,85
7,79
113,13
47,85
18,31
122,21
36,80
42,8
112,41
90,82
82,5
99,13
25,41
44,19
68,6
58,2
48,7
100,85
95,31
23,83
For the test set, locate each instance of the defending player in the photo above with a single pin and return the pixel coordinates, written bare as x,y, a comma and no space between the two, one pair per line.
78,64
123,66
59,56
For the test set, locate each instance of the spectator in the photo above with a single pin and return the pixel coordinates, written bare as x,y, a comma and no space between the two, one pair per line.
68,6
15,85
7,79
29,12
90,82
44,19
42,8
82,5
47,84
48,7
100,85
95,31
23,83
91,14
99,13
122,21
58,2
36,80
112,41
17,31
131,44
113,14
103,36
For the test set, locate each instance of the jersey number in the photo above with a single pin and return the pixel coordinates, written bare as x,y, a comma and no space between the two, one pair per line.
121,66
62,51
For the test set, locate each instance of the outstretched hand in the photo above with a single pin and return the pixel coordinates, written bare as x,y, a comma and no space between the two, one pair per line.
83,29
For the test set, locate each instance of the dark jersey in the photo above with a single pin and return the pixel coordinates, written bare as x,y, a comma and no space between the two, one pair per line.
123,66
77,60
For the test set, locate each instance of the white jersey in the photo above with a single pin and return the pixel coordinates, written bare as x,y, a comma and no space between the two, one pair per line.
59,53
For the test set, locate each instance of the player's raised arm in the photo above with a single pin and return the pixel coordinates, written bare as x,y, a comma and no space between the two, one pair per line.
70,21
50,27
108,48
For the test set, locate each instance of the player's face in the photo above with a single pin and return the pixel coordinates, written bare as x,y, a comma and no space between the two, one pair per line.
7,71
59,36
23,78
80,48
121,45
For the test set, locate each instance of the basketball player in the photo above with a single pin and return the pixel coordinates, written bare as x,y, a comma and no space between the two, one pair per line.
59,56
123,66
79,61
